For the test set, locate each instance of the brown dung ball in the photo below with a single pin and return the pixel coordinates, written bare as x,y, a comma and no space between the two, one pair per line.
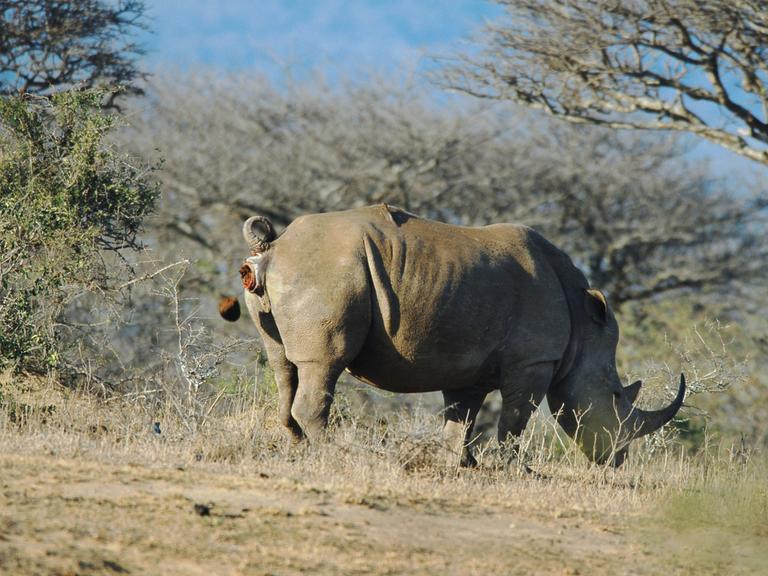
229,308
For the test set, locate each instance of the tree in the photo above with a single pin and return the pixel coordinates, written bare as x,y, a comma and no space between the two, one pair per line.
66,196
644,222
56,44
697,66
639,218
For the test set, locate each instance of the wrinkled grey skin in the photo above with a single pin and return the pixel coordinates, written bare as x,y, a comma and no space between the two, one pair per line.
411,305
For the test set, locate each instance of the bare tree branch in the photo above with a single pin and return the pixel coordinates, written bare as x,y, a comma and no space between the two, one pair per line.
55,44
700,67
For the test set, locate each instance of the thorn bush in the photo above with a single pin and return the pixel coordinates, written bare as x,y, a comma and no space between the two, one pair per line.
66,196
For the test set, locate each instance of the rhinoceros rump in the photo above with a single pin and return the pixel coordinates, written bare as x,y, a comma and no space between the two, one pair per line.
412,305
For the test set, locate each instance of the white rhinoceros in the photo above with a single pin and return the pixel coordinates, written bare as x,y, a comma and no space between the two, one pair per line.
412,305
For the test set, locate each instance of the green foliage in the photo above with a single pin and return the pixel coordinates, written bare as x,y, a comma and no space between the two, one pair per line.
691,432
66,195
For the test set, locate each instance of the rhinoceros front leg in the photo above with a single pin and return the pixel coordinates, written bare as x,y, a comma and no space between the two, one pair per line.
522,390
314,396
461,408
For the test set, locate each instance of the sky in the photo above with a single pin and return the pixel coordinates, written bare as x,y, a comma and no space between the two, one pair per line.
342,37
338,38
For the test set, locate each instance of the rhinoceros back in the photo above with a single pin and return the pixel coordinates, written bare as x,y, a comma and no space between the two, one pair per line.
446,299
412,305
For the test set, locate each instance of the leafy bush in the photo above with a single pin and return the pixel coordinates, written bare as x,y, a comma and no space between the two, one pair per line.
66,196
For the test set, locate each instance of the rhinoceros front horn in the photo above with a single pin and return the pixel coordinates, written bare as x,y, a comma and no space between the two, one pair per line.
258,233
647,421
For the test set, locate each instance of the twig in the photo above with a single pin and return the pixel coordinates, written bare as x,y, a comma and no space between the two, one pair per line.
151,275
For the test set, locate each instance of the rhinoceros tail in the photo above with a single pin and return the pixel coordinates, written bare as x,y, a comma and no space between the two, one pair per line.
258,233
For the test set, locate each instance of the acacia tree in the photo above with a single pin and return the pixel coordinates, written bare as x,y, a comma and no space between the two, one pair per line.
56,44
638,217
691,65
642,220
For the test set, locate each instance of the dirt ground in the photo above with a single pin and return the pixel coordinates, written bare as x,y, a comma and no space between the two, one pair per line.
78,517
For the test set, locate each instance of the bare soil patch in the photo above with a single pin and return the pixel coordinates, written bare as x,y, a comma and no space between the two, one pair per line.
68,516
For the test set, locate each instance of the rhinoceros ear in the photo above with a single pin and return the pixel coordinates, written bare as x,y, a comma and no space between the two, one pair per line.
596,305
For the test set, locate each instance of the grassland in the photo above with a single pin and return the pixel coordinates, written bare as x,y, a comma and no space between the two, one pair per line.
89,487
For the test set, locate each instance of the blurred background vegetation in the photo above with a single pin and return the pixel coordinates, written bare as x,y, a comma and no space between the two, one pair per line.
122,196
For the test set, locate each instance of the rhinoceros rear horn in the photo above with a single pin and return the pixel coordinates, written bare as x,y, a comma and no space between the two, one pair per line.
647,421
632,391
258,233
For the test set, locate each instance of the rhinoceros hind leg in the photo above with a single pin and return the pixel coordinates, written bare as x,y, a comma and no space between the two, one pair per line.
314,396
287,381
286,376
461,408
522,390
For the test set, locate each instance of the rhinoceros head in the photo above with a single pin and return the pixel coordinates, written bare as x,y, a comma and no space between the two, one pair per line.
590,402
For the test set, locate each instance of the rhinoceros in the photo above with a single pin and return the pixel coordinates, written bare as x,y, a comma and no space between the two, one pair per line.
408,304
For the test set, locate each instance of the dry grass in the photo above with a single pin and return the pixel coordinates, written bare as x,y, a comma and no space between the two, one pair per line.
392,466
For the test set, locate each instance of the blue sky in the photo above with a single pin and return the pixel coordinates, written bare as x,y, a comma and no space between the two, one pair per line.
347,37
336,37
